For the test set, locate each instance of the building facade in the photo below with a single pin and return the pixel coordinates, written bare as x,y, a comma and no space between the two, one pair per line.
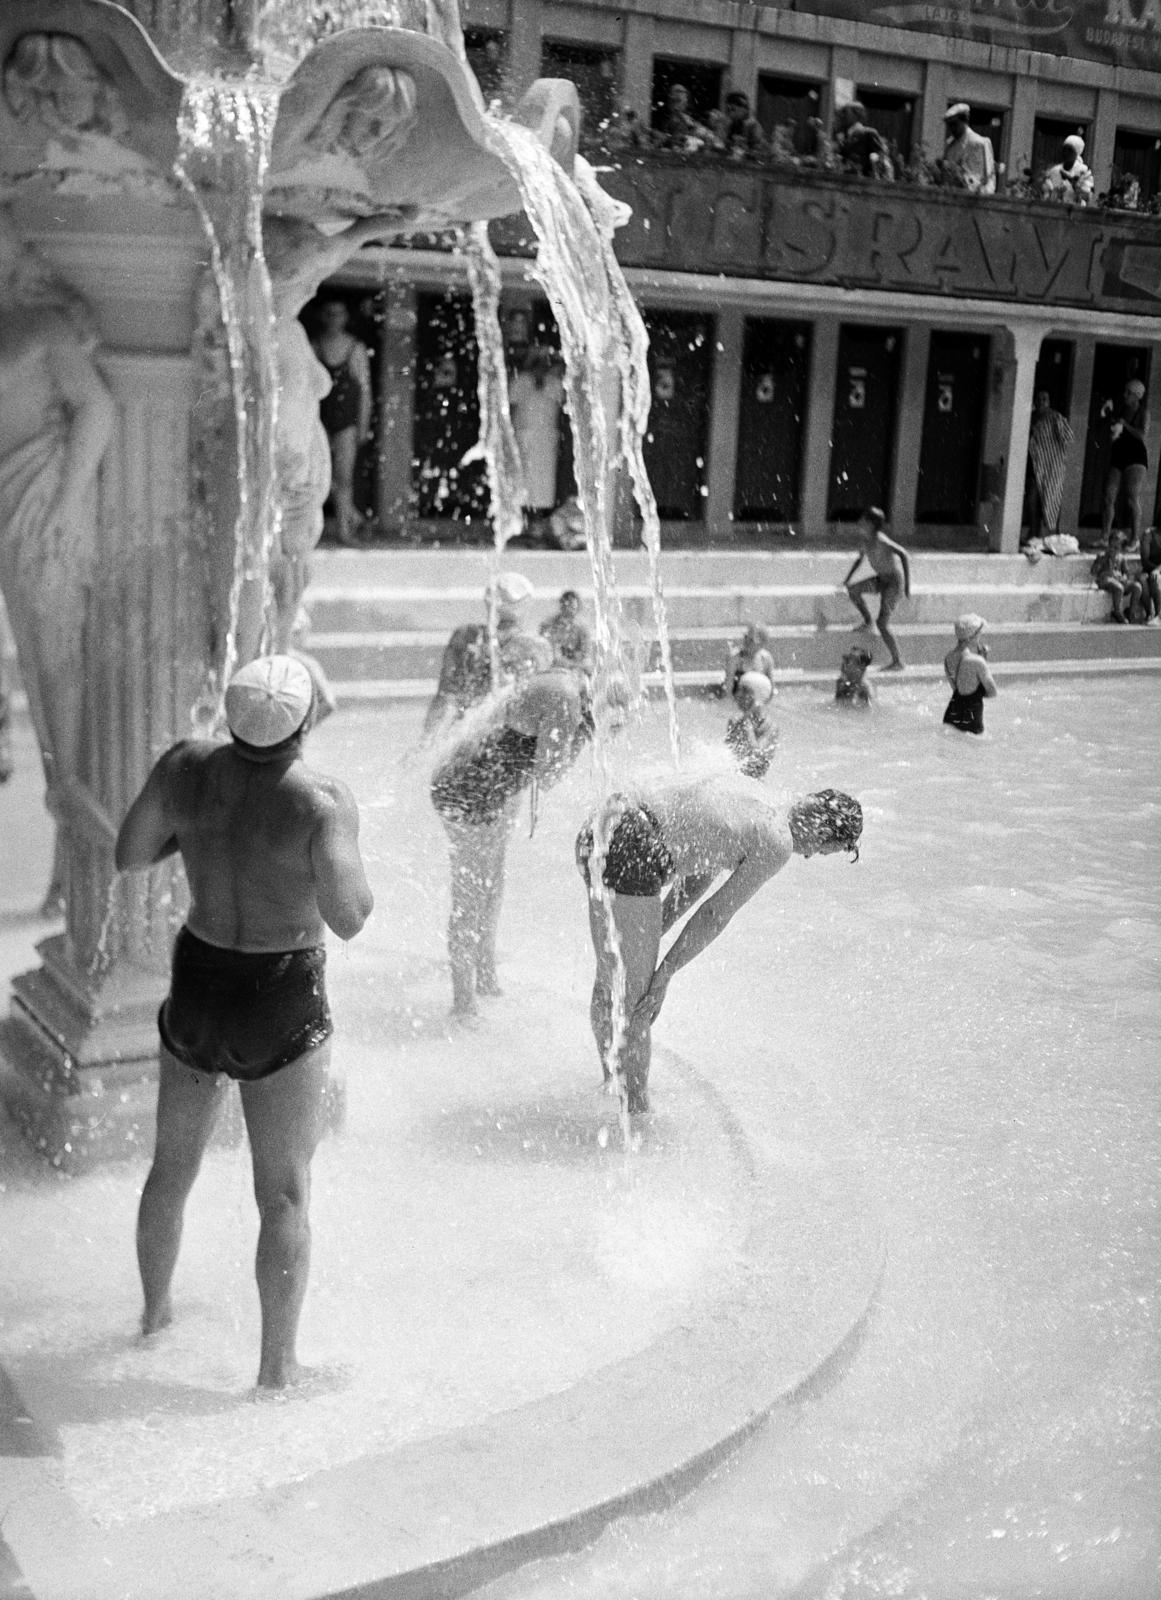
820,340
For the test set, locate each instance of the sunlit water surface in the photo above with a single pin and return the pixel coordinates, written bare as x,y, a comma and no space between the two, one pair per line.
969,1015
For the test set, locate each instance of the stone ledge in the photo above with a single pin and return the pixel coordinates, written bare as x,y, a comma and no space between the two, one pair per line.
443,1515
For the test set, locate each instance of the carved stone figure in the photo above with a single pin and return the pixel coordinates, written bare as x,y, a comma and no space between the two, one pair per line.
52,78
56,419
299,257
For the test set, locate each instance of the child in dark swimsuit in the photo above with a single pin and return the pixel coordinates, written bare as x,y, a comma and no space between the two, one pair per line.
968,673
476,791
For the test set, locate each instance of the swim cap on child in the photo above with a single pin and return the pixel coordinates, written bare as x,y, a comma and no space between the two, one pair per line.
509,589
268,700
968,626
759,686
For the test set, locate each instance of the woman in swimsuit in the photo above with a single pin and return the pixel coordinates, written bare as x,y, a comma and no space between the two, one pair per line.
969,675
345,411
532,741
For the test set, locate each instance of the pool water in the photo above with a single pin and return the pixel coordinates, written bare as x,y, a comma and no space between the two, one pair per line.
968,1016
972,1013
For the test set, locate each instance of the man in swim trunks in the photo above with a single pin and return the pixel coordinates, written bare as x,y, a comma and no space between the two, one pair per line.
680,836
889,563
271,854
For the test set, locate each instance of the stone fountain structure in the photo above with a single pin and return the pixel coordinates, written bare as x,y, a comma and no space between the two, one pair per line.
162,465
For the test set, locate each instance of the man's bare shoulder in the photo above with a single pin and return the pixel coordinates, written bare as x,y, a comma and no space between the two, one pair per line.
328,797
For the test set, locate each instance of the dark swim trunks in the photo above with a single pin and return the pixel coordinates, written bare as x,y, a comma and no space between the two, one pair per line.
243,1013
637,861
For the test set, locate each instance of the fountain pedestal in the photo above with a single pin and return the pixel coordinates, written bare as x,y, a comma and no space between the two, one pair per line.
142,472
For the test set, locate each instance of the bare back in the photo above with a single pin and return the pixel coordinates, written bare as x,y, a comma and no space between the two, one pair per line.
714,825
255,838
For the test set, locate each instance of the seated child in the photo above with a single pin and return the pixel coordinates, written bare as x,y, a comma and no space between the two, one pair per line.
751,736
752,654
850,686
1111,573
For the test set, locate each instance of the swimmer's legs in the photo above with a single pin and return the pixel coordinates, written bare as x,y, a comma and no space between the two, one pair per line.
855,593
627,1050
284,1119
886,609
187,1106
493,852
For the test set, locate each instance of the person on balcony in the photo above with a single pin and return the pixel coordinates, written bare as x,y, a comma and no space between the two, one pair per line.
968,159
860,147
1070,180
739,132
680,129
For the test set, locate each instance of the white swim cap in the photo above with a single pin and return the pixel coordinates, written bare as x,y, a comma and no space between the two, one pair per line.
268,700
1075,142
509,589
969,627
759,686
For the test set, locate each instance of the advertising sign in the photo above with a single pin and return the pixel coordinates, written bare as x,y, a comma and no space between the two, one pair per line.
1125,33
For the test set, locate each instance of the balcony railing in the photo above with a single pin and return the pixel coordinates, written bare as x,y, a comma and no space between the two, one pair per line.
804,225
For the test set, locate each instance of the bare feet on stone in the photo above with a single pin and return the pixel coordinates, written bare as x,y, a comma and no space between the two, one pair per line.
155,1321
294,1381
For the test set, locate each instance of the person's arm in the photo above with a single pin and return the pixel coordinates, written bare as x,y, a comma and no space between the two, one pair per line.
984,677
344,895
450,668
146,836
1139,428
707,922
360,369
685,894
904,560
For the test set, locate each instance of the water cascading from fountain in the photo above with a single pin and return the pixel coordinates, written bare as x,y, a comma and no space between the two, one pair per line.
226,130
497,446
604,343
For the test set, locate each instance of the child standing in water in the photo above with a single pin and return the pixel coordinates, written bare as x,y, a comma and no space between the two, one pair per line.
751,736
851,687
969,675
891,579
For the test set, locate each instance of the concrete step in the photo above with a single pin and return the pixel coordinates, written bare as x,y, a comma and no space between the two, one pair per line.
415,657
467,570
412,612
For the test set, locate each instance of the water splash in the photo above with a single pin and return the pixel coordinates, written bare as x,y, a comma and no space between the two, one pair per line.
225,129
497,446
603,342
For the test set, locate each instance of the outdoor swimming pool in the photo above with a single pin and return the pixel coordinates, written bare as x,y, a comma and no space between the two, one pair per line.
967,1018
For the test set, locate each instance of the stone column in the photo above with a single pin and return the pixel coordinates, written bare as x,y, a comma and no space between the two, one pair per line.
396,409
909,433
722,445
80,1044
819,426
1017,389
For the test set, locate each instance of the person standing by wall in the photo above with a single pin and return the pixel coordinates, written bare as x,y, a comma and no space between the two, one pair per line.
536,397
1128,462
345,411
1049,442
